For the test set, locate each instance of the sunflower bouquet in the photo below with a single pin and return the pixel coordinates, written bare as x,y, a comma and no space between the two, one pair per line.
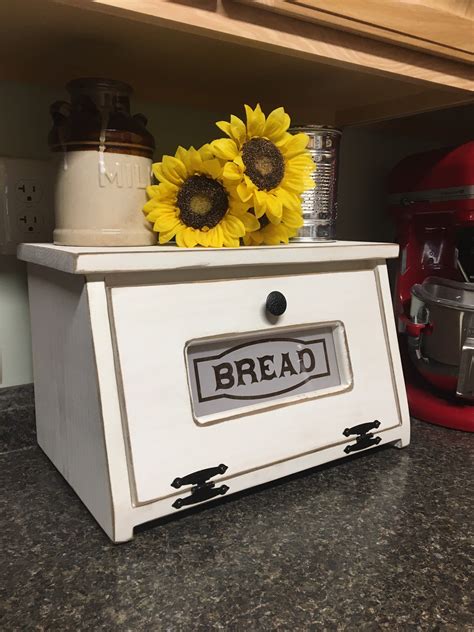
243,188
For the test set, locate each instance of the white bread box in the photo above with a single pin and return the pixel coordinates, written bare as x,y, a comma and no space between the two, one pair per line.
165,378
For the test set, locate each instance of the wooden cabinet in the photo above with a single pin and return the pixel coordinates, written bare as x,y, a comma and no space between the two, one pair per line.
441,27
217,55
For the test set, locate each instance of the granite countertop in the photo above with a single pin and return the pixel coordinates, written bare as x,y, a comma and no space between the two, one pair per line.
377,541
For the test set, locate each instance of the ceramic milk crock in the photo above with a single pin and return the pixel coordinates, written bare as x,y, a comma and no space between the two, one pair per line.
104,161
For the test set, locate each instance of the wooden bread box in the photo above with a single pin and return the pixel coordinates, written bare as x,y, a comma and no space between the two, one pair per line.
165,378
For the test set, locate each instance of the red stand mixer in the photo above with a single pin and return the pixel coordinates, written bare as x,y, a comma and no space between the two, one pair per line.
432,202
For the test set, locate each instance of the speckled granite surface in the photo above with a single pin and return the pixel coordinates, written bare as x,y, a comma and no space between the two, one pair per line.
17,418
376,542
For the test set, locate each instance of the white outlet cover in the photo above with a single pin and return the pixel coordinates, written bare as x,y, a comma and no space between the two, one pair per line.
26,202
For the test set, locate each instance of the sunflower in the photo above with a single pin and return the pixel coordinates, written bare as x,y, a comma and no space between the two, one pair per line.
274,234
193,204
268,167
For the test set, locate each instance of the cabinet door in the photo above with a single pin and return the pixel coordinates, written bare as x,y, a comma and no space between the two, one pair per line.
443,27
163,330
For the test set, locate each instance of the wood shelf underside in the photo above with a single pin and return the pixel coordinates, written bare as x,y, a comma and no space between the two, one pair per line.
441,27
218,55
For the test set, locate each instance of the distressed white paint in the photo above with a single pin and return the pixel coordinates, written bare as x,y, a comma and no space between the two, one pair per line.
89,260
68,402
122,353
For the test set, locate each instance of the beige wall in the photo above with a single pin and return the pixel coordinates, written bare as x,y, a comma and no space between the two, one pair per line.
24,126
369,153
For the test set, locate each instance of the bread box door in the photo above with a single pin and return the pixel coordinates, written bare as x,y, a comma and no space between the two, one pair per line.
209,378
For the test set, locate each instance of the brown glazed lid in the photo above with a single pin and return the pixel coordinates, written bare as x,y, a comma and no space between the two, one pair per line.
98,118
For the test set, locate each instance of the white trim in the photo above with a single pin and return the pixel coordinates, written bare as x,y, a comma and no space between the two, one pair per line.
92,260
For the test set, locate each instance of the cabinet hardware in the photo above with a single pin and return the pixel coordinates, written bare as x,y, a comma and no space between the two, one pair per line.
364,438
361,429
364,441
276,303
199,477
202,489
201,493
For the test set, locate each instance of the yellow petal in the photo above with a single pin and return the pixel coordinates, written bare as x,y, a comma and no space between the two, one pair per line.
196,159
292,219
260,203
224,148
274,209
216,237
157,171
204,239
276,125
236,206
244,191
283,140
239,162
250,222
231,242
180,239
151,205
296,145
158,206
282,233
289,199
212,168
173,170
224,126
255,121
162,191
271,236
183,155
238,129
233,226
301,162
166,236
206,152
165,223
162,211
186,238
296,184
151,217
232,172
190,238
153,190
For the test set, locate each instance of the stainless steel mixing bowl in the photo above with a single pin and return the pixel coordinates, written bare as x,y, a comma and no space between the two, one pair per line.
445,346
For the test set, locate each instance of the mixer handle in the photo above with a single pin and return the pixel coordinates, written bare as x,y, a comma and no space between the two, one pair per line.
465,387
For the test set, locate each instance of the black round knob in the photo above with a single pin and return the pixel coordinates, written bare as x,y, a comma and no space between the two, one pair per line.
276,303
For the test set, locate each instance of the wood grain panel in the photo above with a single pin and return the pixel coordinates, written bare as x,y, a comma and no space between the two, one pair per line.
438,26
218,55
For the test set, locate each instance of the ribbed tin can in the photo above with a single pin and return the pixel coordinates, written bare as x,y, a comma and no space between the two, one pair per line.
320,204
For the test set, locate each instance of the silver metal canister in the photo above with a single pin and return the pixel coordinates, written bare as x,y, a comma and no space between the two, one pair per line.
320,204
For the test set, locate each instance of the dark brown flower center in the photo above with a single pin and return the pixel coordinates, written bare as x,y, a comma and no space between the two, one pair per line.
264,163
202,202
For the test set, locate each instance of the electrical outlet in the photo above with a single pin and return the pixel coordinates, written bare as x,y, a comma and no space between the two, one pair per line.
26,202
28,192
30,223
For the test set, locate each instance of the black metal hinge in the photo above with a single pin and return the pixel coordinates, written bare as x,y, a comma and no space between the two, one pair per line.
202,489
365,438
